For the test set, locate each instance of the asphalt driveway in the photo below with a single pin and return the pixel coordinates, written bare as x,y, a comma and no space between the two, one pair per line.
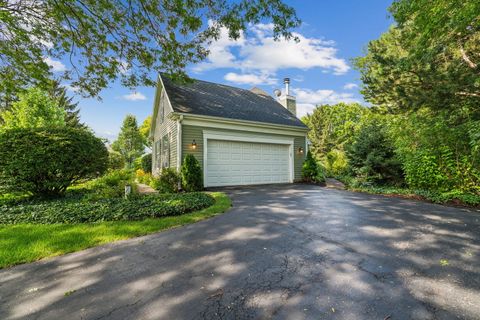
282,252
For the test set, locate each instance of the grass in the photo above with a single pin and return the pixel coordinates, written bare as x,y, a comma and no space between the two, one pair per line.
448,198
23,243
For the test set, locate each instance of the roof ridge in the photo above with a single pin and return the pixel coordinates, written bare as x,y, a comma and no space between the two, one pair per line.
216,83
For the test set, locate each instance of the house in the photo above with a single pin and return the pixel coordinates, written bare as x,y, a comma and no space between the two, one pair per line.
240,137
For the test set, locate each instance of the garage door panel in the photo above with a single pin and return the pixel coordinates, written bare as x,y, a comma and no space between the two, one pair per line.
242,163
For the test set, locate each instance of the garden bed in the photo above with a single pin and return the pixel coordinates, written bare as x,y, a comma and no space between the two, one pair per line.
27,242
72,210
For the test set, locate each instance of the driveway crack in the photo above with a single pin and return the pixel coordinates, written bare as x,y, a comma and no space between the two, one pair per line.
118,308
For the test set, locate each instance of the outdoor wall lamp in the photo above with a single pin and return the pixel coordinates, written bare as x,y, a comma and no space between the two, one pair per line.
194,144
300,150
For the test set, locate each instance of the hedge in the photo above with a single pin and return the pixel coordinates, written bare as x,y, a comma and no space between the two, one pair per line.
69,210
45,161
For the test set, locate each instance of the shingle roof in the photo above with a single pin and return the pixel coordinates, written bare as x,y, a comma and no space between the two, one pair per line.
218,100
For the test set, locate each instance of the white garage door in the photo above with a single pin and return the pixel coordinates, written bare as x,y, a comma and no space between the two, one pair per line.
232,163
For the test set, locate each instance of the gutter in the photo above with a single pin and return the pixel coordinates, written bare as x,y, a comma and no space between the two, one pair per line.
236,121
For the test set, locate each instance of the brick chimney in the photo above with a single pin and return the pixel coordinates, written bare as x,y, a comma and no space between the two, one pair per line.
287,100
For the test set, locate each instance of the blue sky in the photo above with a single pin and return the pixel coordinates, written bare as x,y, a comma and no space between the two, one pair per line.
333,32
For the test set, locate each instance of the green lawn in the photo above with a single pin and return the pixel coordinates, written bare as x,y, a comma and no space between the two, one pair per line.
23,243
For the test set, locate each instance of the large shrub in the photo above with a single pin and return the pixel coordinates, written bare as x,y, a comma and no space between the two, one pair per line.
439,152
167,182
312,171
147,163
191,173
45,161
70,210
372,157
309,168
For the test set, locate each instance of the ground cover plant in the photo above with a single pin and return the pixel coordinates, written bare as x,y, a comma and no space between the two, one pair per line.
71,210
92,213
26,242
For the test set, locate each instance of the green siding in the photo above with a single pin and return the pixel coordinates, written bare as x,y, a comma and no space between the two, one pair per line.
168,126
189,133
298,142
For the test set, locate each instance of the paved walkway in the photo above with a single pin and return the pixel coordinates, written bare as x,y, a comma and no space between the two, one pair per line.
282,252
145,189
334,183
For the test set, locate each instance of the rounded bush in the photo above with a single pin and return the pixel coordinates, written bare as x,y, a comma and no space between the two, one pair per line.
168,181
191,172
45,161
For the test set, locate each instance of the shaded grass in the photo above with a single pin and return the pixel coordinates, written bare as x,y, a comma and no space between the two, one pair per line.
453,198
23,243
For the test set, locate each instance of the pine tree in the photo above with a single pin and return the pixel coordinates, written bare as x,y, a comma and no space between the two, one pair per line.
59,94
130,143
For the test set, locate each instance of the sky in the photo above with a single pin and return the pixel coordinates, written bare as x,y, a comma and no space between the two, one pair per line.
333,32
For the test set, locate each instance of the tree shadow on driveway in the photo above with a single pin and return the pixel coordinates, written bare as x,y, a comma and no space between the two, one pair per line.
282,252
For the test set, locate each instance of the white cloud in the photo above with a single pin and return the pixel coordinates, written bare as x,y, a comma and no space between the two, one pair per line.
46,43
55,65
298,78
124,67
350,86
307,99
134,96
252,79
304,108
260,53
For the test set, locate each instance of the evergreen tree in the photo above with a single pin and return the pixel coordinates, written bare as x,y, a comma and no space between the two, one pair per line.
59,94
372,156
130,143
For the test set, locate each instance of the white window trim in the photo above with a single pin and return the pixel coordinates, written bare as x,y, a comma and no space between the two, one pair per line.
245,137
